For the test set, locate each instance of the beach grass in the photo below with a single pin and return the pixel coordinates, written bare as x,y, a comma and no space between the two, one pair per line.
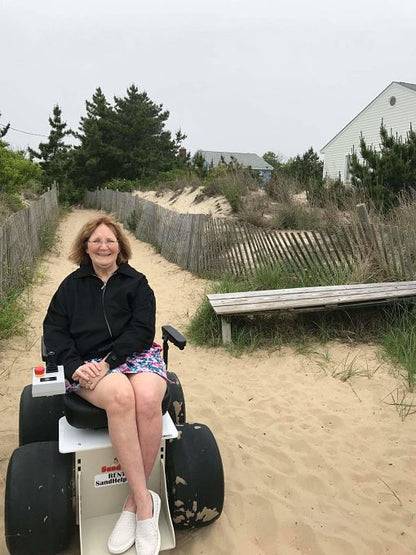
399,342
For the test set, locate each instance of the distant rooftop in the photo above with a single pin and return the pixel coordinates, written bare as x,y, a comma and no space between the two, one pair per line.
246,159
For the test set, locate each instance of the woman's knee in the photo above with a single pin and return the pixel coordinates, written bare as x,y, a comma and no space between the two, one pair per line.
149,400
121,399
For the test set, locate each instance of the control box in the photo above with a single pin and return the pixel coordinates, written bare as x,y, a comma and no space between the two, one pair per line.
48,381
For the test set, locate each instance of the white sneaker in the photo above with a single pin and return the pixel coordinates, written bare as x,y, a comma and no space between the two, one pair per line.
123,534
147,531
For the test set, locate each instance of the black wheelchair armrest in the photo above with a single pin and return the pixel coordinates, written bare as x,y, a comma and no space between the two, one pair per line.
171,334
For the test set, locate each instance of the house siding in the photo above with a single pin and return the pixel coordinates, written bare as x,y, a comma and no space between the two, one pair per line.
396,118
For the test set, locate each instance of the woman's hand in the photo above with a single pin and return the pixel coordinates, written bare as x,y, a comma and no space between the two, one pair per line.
90,373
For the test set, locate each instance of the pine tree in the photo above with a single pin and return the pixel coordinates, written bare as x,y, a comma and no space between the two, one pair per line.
4,129
127,140
305,169
97,158
386,172
275,160
148,148
53,155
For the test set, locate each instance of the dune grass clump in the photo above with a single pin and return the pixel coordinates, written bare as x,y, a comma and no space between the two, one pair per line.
399,342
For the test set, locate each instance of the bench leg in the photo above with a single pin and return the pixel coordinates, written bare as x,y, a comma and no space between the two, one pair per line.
226,329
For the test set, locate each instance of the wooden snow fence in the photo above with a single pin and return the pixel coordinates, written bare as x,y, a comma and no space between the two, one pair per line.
20,239
216,247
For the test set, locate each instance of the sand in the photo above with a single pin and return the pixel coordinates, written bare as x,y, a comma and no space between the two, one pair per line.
189,201
313,464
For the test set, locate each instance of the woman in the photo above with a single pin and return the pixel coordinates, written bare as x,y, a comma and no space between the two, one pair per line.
101,325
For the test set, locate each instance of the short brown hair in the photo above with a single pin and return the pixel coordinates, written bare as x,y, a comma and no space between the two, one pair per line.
78,253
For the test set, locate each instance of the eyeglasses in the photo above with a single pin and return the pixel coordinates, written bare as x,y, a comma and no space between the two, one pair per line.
108,243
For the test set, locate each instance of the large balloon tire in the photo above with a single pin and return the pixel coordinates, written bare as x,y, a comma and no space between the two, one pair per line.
38,417
39,514
195,477
176,408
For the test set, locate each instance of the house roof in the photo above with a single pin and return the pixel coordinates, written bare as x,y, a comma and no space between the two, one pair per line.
402,83
408,85
246,159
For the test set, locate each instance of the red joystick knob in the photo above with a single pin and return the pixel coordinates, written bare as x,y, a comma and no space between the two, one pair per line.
39,370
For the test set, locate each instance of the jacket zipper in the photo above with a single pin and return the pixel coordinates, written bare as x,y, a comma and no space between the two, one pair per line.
103,304
105,315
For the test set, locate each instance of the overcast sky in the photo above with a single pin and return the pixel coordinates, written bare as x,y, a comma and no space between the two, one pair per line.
235,75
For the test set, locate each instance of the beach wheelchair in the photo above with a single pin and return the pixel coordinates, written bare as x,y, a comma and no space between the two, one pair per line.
64,475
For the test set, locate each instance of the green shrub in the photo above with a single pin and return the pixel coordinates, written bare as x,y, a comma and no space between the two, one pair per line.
233,184
15,170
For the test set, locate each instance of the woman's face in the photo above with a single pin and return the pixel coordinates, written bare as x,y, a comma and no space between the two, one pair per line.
102,246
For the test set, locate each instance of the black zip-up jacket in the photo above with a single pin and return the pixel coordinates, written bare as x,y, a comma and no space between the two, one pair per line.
87,318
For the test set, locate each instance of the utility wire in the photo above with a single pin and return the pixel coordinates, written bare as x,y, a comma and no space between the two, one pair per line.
25,132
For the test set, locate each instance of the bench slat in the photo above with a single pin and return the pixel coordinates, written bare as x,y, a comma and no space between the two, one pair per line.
281,302
290,304
321,289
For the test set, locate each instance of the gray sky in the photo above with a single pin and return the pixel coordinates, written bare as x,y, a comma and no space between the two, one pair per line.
235,75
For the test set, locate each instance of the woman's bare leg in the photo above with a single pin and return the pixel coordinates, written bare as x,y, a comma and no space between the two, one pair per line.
115,394
149,390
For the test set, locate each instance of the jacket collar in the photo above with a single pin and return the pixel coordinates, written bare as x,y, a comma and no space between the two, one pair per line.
88,270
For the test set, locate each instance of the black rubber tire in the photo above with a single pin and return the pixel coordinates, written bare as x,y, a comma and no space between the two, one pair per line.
38,417
176,409
195,477
38,511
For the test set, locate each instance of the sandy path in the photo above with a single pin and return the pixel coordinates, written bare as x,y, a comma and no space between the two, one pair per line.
313,465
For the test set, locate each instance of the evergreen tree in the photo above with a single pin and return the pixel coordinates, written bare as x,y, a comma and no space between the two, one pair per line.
53,155
275,160
97,158
126,141
4,129
199,164
306,168
387,172
147,146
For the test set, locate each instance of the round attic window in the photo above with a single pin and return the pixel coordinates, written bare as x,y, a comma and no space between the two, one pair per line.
392,100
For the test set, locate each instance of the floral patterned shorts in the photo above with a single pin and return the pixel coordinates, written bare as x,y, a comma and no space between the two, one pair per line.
148,361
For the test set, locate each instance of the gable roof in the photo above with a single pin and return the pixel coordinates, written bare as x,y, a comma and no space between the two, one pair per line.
246,159
402,83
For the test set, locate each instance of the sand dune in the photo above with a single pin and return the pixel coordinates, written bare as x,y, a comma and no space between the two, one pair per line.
189,201
313,465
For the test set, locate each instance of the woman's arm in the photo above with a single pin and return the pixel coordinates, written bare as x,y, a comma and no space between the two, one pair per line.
57,337
140,332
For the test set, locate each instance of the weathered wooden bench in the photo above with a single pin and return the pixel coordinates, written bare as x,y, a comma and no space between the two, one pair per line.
307,299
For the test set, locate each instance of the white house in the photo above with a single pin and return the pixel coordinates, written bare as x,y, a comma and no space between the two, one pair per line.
245,159
395,106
